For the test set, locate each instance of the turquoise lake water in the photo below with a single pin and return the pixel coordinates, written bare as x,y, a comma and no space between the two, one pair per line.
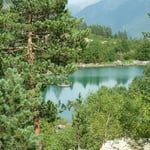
87,80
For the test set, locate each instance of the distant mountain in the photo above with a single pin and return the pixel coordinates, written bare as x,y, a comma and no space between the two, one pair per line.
129,15
74,9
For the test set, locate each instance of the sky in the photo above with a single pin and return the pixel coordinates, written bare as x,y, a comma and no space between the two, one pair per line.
77,5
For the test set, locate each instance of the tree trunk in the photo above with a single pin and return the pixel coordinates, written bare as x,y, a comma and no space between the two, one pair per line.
30,59
30,56
37,129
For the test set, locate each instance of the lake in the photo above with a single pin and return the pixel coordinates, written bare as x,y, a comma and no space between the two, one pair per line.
87,80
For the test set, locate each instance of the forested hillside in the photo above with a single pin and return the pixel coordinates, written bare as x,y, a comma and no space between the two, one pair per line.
121,15
104,46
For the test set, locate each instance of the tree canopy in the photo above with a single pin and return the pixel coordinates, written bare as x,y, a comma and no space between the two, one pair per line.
40,40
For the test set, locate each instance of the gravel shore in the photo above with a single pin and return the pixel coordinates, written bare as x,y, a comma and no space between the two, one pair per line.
114,64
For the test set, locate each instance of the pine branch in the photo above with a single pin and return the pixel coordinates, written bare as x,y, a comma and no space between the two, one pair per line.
58,85
38,48
11,50
16,49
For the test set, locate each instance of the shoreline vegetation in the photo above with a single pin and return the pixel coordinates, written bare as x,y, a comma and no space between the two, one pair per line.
114,64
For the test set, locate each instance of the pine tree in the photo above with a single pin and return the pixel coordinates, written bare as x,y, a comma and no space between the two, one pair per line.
1,4
16,127
40,39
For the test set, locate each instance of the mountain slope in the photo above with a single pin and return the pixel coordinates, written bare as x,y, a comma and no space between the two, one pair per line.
119,15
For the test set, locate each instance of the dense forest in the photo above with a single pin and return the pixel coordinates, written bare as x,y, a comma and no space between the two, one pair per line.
39,43
104,46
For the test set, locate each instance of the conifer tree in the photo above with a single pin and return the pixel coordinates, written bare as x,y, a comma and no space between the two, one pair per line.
16,127
1,4
40,39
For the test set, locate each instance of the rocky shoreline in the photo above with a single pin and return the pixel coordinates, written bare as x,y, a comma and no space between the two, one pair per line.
114,64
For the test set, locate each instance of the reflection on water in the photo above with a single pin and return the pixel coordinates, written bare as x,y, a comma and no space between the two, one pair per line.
89,80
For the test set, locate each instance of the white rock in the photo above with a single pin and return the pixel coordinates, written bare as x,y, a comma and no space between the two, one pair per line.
117,144
146,146
126,144
60,126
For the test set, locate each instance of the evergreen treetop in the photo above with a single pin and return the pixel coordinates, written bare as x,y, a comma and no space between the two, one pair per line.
42,36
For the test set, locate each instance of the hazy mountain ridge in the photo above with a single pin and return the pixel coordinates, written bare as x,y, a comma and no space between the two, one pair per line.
119,15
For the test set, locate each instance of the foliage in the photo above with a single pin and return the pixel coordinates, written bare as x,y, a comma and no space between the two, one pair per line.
98,50
79,123
48,111
139,91
121,35
16,114
103,116
70,137
105,46
40,40
101,30
1,4
144,51
60,139
110,49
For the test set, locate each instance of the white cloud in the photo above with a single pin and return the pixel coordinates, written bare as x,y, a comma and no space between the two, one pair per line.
82,3
77,5
88,2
